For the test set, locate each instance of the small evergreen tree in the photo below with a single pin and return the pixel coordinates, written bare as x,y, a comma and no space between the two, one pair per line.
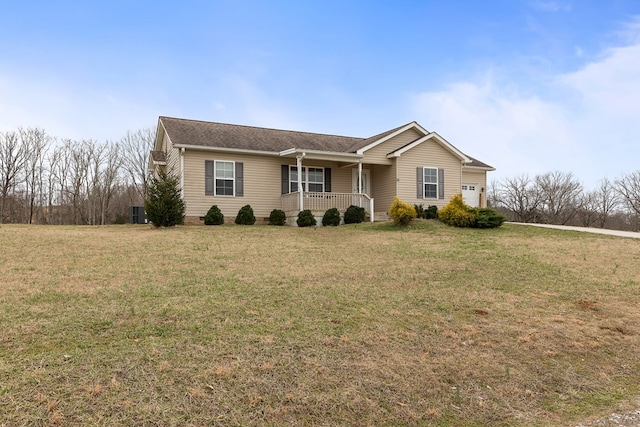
331,217
277,217
245,216
354,215
214,216
164,205
306,219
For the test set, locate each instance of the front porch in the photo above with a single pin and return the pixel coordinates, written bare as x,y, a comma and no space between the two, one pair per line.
319,203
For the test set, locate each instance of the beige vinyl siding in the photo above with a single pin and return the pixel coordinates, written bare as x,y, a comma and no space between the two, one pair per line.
479,178
378,154
173,156
428,154
262,182
383,185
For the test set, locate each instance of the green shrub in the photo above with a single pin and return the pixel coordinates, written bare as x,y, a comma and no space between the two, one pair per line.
306,219
214,216
164,205
277,217
457,213
331,217
488,218
401,213
245,216
431,212
354,215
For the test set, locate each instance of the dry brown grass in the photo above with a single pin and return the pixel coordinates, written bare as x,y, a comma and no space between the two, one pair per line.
360,325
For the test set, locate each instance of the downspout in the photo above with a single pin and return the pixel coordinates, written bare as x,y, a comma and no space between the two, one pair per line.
182,172
300,190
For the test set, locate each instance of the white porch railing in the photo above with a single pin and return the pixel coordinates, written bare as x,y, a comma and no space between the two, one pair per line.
323,201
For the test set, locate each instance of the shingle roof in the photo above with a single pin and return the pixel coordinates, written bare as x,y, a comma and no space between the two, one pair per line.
223,135
158,156
477,163
211,134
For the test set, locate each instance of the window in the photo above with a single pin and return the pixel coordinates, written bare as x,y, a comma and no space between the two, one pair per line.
223,178
430,183
312,178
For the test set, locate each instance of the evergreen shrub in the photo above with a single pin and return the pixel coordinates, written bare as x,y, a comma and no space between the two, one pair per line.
277,217
401,213
354,215
214,216
331,217
245,216
306,219
164,205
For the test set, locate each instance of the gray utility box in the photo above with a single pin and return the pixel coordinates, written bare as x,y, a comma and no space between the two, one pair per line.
137,215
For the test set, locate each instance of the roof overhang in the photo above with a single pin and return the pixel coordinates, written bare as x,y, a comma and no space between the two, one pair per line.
479,168
333,156
226,150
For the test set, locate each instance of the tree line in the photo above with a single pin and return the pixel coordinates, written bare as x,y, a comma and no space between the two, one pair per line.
48,181
559,198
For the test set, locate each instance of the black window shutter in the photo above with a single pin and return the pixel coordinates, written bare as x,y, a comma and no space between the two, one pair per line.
420,181
208,178
285,179
239,179
440,183
327,180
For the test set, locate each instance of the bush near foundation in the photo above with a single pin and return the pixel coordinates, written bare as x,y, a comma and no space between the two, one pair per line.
277,217
458,214
431,212
354,215
401,213
214,216
306,219
331,217
245,216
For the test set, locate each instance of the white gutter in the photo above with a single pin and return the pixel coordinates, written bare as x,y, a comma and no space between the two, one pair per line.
226,150
182,172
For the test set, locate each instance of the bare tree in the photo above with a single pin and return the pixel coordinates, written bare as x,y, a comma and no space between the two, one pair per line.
628,188
587,209
35,141
136,147
520,197
607,201
12,159
109,178
559,192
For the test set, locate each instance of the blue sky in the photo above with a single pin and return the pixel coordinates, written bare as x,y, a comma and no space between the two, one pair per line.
526,86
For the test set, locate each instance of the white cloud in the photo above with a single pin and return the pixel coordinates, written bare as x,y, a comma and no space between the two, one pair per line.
588,126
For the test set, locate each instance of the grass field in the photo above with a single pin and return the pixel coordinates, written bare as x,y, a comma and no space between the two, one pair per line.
355,325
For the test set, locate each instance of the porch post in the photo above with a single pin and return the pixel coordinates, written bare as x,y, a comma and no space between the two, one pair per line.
359,177
300,191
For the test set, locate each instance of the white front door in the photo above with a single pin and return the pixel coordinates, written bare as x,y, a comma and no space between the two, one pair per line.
366,181
471,195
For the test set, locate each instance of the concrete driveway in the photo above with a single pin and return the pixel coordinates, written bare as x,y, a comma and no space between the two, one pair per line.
618,233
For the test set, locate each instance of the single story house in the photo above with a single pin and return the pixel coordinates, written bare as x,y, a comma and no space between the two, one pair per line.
232,165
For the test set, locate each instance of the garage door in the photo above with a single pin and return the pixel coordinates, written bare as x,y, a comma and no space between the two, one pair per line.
470,195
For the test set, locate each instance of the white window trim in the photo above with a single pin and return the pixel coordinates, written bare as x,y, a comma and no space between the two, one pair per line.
305,178
215,178
424,183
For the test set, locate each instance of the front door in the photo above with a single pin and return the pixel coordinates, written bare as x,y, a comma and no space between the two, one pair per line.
366,181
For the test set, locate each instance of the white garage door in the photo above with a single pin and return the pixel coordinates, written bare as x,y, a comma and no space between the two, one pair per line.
470,195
